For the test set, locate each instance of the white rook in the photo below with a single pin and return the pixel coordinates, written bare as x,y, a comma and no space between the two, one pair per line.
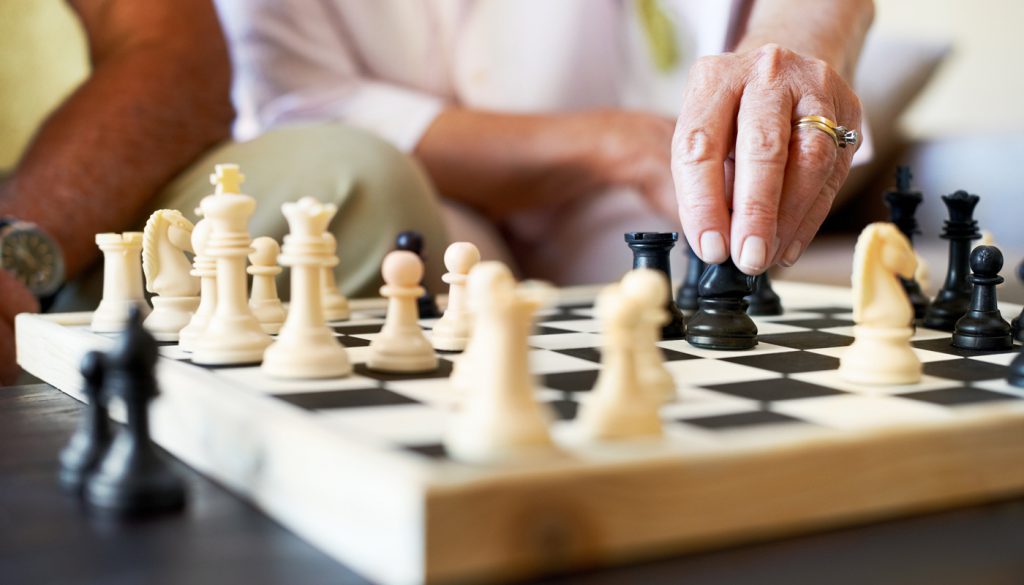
122,280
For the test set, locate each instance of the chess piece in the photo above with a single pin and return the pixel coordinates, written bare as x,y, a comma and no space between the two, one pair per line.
651,250
764,301
954,299
686,296
451,332
263,300
500,419
122,281
306,347
881,352
902,205
132,478
165,239
233,335
619,406
334,303
401,345
722,322
92,437
983,327
205,268
649,289
413,242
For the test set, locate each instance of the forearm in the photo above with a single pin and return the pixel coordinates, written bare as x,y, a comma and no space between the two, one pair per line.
832,31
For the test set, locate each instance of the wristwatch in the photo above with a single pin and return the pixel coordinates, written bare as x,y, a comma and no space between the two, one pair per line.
32,256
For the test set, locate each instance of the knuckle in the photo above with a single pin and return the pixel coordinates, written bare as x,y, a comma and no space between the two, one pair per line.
771,59
764,144
759,209
693,146
815,151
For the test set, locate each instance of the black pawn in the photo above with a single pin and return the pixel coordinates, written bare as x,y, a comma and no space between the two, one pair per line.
722,321
1018,321
686,296
651,250
132,478
765,301
954,299
413,242
903,205
982,327
92,437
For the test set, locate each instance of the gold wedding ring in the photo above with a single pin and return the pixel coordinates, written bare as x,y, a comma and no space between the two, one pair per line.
841,135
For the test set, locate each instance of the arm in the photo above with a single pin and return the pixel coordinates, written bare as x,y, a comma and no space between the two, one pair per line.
157,97
794,60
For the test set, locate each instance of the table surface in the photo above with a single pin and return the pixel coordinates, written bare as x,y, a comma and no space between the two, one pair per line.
46,536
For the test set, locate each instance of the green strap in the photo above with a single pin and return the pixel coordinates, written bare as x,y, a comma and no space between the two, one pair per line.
661,35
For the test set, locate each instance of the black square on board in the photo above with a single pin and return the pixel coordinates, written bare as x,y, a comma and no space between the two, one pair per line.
789,362
775,389
819,323
357,329
944,345
959,396
831,310
582,381
593,354
349,341
444,369
965,370
741,420
354,398
564,409
431,450
542,330
807,339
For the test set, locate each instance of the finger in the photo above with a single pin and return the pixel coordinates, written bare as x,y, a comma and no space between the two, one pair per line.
762,149
699,148
820,206
812,160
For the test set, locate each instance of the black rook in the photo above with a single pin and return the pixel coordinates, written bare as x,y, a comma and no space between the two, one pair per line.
651,250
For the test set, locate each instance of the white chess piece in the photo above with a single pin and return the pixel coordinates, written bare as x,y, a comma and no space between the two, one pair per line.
451,331
122,281
306,347
620,407
501,419
401,345
881,352
233,335
335,304
165,240
922,274
263,299
650,289
205,268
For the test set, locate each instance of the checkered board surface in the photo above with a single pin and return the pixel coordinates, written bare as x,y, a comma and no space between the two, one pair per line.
785,387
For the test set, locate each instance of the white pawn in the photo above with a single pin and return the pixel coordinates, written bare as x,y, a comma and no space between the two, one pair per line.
263,299
881,352
165,240
501,419
335,304
205,268
451,331
651,290
620,407
122,281
401,345
306,347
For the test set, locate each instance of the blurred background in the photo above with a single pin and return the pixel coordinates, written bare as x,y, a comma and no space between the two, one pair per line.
941,82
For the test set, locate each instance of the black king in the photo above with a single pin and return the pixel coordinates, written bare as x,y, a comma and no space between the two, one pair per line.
954,299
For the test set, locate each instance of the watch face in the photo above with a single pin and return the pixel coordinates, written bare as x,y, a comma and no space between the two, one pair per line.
34,259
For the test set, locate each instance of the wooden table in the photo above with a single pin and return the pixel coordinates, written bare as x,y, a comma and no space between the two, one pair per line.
45,537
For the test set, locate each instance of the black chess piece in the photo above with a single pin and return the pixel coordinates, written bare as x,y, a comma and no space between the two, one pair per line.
651,250
983,327
686,296
413,242
133,478
1018,321
902,205
92,437
954,299
765,301
722,321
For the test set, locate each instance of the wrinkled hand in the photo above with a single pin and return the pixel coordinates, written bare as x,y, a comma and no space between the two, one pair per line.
14,298
748,184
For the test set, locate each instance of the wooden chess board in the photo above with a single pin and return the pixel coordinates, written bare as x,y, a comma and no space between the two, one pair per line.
759,444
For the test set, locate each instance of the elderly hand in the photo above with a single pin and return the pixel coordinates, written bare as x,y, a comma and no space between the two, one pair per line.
748,184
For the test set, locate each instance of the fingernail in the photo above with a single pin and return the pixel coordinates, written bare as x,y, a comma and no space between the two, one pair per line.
753,253
792,253
712,248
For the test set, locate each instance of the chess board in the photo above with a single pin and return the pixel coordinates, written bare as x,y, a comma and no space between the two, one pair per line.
759,444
